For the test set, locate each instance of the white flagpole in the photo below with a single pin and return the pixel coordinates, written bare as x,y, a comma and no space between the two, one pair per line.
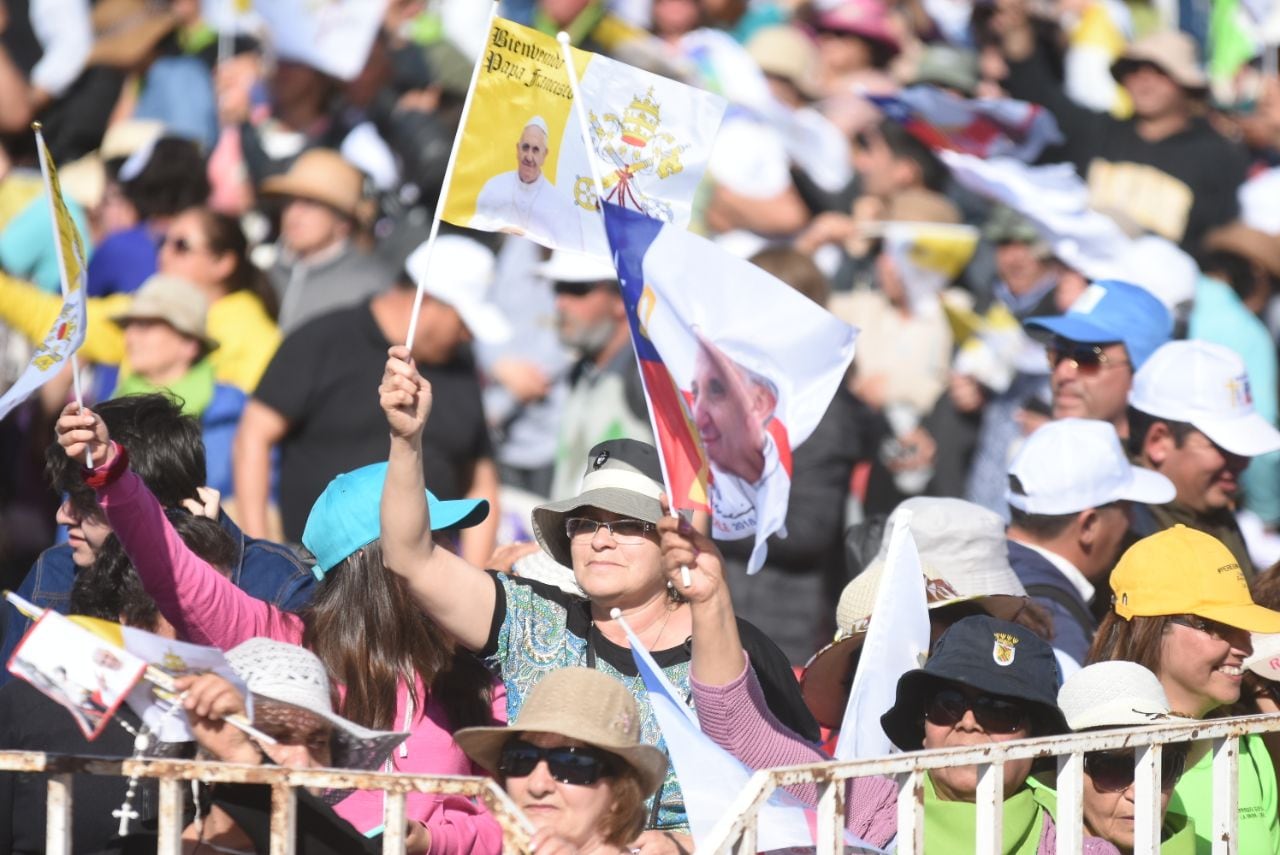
448,179
581,112
43,154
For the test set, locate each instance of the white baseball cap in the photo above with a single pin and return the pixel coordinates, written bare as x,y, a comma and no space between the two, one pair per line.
1112,694
567,266
1204,384
462,276
1070,465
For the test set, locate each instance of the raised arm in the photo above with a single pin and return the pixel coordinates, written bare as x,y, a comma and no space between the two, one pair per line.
202,604
454,593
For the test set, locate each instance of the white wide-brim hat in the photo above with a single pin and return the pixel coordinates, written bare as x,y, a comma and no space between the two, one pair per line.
461,274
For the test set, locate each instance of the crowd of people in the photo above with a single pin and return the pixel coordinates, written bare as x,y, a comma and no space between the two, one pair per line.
413,534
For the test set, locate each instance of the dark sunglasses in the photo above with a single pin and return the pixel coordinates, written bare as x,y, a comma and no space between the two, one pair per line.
1088,358
1212,628
1112,771
946,706
579,765
574,289
180,245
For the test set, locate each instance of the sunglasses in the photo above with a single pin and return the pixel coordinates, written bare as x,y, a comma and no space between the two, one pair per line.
625,532
179,244
1211,628
574,289
578,765
947,706
1087,359
1112,771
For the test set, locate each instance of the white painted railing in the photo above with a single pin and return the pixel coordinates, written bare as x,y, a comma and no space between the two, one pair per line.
737,830
516,828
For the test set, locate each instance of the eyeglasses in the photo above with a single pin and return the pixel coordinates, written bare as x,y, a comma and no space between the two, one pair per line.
1112,771
574,289
179,244
994,715
1087,359
579,765
624,532
1210,628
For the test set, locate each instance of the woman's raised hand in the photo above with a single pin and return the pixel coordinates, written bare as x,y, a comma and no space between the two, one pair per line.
684,546
79,431
404,395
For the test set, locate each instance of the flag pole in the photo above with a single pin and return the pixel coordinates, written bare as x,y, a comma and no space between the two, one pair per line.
44,157
448,180
581,112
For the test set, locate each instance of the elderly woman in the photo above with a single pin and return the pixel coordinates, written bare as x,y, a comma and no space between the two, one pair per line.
1195,636
608,535
1109,695
574,763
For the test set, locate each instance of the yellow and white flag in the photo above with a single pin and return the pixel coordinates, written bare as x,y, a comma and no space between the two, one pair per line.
521,165
928,256
67,333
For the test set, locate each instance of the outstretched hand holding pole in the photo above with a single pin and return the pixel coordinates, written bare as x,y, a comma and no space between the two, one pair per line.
82,434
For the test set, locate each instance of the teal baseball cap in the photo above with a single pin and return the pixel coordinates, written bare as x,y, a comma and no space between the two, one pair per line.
348,516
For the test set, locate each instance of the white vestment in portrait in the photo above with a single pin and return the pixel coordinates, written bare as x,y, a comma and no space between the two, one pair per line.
537,210
736,502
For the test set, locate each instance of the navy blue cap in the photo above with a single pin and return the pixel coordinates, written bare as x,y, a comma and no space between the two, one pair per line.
993,656
1110,311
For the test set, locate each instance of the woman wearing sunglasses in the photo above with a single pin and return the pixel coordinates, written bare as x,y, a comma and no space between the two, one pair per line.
1195,636
608,535
1109,695
574,763
210,251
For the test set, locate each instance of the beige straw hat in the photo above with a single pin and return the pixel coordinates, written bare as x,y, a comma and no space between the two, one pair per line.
321,175
175,301
1172,52
578,703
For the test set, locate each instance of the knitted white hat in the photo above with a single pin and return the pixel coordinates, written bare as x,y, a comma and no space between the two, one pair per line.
294,676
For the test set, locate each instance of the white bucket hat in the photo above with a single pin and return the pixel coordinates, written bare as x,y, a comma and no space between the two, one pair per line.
567,266
1071,465
1112,694
295,677
462,275
1204,384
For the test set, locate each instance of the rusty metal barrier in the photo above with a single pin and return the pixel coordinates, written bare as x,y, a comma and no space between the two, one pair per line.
736,831
516,828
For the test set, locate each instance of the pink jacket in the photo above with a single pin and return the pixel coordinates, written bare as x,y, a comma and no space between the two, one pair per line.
206,608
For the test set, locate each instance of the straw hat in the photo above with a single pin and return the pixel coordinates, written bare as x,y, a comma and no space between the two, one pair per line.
1174,53
175,301
921,206
1252,245
320,175
296,679
965,558
578,703
786,52
125,30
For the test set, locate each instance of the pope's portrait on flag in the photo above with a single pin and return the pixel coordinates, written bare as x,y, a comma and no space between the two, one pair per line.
732,408
524,201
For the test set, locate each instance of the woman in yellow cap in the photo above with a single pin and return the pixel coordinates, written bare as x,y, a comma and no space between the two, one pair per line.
1181,608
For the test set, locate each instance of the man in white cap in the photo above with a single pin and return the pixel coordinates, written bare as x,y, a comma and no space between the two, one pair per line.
606,397
1191,418
525,202
314,402
1070,492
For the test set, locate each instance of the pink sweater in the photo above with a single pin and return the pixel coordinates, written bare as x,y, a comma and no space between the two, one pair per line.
737,719
206,608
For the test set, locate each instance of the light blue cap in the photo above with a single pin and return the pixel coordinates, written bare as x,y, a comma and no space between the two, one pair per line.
348,516
1110,311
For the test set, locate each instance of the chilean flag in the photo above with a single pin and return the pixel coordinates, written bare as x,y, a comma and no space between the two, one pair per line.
984,127
738,368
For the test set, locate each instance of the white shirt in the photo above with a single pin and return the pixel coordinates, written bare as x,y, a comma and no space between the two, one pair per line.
65,33
539,210
1066,568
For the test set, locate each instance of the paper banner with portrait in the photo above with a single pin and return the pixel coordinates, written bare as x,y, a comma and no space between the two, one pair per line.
81,671
753,365
522,164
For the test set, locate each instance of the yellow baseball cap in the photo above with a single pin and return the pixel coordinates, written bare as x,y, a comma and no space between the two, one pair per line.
1184,571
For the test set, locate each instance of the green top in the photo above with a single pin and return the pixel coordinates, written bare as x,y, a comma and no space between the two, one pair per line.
1259,827
194,389
1178,837
952,826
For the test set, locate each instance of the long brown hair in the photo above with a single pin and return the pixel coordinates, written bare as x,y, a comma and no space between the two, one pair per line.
1138,639
224,235
363,624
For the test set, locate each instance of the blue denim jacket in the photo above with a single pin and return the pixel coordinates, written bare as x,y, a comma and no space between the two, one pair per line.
264,569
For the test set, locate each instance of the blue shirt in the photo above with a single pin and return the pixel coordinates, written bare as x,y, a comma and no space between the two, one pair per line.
264,569
122,262
178,91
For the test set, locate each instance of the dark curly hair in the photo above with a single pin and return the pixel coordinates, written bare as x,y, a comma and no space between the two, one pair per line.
173,180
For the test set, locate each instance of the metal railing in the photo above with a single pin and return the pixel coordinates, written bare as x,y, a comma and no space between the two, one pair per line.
737,830
516,827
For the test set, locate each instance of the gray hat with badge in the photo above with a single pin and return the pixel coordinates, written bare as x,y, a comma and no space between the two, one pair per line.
623,477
